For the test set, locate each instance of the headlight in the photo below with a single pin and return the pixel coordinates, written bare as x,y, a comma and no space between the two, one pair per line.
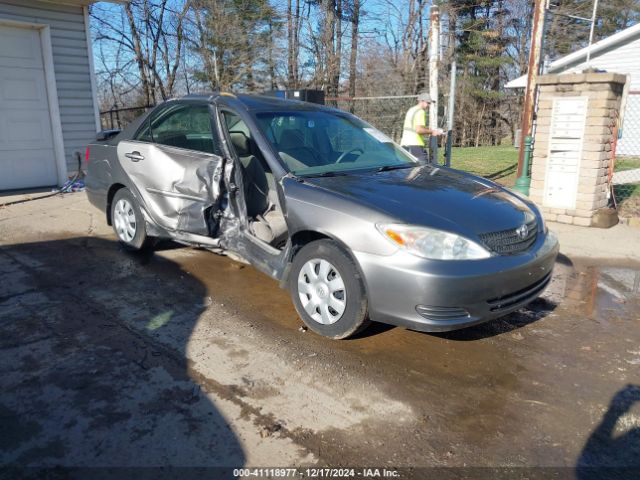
433,244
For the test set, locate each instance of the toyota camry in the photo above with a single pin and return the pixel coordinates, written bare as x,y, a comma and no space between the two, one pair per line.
356,228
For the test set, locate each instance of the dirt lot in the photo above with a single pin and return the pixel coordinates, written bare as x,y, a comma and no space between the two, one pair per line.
182,358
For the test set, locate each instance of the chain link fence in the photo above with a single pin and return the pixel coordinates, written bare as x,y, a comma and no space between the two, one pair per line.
626,175
384,113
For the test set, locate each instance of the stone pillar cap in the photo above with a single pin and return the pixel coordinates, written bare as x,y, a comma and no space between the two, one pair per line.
591,77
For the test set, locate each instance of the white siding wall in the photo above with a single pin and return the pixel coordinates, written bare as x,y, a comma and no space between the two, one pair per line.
623,59
71,66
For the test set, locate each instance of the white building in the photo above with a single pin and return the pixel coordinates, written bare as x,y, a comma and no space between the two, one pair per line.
619,53
48,106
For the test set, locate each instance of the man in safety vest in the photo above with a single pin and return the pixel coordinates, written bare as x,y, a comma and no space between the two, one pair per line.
415,126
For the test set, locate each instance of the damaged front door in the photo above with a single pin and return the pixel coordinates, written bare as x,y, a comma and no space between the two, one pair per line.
175,163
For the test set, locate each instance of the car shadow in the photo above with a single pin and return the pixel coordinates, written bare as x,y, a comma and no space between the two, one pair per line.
612,451
562,259
374,328
533,312
93,365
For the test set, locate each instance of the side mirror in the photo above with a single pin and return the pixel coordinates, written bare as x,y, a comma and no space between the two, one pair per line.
104,135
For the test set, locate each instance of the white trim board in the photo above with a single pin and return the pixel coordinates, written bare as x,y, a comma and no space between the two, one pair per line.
52,92
92,70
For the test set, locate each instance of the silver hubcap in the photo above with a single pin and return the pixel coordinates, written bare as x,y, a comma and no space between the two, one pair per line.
321,291
124,219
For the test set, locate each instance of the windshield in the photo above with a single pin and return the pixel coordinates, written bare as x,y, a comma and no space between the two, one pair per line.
316,142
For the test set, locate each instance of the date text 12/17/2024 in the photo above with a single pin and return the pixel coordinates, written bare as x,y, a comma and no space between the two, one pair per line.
316,473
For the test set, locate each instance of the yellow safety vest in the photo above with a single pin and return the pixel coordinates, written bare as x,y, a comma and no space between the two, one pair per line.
415,117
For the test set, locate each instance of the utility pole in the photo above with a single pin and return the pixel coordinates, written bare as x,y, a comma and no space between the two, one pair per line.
593,26
434,50
535,54
450,114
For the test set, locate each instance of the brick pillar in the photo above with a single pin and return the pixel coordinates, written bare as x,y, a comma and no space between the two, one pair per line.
572,146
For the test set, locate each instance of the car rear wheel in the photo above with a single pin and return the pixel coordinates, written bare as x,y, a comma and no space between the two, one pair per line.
328,291
128,222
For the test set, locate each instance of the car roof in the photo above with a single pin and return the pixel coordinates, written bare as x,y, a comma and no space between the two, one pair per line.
255,103
251,103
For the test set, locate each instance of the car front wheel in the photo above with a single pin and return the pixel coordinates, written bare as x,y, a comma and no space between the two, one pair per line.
328,291
128,222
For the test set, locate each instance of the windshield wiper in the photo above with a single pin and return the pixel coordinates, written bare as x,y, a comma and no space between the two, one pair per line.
386,168
324,174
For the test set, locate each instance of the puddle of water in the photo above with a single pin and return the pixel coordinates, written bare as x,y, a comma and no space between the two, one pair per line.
595,291
590,291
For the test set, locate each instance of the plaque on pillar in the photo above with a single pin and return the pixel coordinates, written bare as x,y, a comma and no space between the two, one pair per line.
566,134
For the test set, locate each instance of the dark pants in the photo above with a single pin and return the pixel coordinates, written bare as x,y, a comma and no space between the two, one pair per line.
417,151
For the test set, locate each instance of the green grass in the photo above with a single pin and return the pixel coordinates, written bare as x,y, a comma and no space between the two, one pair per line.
627,195
496,163
627,163
500,163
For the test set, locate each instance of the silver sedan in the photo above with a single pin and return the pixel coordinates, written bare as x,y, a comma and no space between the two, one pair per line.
355,227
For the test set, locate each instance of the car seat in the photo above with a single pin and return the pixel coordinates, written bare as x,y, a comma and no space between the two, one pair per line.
266,221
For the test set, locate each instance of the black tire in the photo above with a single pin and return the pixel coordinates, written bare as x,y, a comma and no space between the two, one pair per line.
140,240
354,318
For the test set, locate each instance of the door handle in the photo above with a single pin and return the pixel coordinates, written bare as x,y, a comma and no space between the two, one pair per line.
134,156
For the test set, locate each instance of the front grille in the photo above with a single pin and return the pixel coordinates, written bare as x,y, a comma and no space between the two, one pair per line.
509,242
514,298
441,313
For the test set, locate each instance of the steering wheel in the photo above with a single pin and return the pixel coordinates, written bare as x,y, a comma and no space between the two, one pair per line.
344,154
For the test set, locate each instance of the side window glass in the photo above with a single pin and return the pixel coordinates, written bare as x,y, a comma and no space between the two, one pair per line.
238,133
242,141
144,133
235,123
185,126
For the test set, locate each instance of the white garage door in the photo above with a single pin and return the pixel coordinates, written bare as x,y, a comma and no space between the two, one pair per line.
26,146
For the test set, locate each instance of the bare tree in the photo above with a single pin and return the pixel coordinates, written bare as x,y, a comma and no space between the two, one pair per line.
152,32
240,45
353,57
294,25
405,42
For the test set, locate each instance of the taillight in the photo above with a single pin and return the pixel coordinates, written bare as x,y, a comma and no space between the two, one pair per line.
87,153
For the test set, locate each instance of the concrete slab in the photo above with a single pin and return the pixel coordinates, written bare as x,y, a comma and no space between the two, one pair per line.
620,242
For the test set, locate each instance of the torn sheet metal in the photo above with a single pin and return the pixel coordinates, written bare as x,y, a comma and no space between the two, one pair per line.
230,204
180,188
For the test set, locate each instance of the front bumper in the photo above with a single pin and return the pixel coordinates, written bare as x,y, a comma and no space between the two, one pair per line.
438,296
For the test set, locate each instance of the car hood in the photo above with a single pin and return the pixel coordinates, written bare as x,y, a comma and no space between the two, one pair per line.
432,196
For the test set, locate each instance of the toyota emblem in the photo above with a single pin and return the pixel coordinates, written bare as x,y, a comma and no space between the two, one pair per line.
522,231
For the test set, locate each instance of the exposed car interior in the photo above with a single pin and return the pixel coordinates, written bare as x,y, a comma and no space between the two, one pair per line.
292,149
266,221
